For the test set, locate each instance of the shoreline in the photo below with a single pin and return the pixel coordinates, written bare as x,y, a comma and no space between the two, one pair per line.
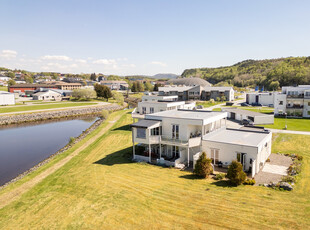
82,136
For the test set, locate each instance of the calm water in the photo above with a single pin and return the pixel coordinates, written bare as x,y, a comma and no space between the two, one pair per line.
24,146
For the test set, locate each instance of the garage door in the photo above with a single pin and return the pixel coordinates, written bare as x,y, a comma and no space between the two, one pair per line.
232,115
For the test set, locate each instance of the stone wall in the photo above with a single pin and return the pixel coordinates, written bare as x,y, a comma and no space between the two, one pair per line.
40,116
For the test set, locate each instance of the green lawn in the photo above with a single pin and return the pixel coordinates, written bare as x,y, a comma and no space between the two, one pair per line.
9,109
301,124
207,104
102,188
3,88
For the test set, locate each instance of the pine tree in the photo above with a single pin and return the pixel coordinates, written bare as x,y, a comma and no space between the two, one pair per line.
203,167
235,173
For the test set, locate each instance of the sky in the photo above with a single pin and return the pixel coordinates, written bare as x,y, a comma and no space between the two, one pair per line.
127,37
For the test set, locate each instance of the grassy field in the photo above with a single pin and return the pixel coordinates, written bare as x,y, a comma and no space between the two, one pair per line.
3,88
207,104
102,187
292,124
9,109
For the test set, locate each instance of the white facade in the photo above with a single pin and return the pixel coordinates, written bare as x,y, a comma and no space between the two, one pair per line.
178,137
266,99
7,98
294,101
257,118
47,96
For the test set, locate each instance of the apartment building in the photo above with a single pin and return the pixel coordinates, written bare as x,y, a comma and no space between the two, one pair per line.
263,98
178,137
294,101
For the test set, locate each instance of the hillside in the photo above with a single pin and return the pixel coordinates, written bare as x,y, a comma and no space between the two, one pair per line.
270,73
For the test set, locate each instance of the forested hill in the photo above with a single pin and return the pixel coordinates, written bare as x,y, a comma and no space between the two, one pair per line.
270,73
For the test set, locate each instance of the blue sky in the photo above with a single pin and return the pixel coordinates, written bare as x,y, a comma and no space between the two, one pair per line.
148,37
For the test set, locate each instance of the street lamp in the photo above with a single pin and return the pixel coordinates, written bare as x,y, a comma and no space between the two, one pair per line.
285,114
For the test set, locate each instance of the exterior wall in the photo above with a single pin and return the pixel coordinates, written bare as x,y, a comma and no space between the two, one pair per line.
228,152
264,120
157,97
266,99
47,96
213,94
306,110
280,104
7,99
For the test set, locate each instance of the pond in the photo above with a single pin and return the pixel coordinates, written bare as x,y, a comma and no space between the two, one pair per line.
23,146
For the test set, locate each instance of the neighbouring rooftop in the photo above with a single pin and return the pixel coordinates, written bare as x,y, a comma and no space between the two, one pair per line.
244,112
237,137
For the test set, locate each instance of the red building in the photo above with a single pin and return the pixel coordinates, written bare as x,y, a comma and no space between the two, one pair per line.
22,87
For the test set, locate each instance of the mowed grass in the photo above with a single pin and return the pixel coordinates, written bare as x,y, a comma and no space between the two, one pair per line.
102,189
10,109
207,104
297,124
3,88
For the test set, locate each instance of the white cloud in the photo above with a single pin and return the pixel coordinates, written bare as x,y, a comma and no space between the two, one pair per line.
8,54
122,59
81,61
158,63
130,65
56,57
105,61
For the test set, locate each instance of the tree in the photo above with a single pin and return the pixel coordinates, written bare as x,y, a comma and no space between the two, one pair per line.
235,173
118,97
93,77
84,93
11,75
203,167
156,86
218,99
105,114
11,82
148,86
140,86
274,85
223,98
99,90
107,92
134,87
28,79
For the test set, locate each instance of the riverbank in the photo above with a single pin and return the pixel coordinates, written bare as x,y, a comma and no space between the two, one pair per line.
41,116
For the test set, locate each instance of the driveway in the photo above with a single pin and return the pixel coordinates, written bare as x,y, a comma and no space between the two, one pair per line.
274,170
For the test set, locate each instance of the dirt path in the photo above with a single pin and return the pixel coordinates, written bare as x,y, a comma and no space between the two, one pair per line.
13,195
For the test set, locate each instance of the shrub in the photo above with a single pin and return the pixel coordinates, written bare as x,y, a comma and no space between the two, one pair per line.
203,167
299,157
118,97
289,179
71,140
268,160
105,114
249,182
219,176
235,173
212,101
84,93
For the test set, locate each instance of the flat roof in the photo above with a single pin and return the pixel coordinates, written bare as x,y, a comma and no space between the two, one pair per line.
237,137
187,114
245,112
146,124
175,88
217,88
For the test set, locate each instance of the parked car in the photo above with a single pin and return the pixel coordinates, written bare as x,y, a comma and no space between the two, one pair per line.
256,104
229,103
247,122
244,104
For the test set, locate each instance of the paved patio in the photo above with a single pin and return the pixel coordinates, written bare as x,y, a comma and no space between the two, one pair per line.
274,170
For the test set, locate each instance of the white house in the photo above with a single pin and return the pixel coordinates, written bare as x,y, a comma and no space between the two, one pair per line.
154,103
49,95
294,101
265,99
7,98
177,138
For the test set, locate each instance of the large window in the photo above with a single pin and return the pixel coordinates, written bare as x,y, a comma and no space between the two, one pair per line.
141,133
215,156
175,151
143,110
151,109
156,131
175,131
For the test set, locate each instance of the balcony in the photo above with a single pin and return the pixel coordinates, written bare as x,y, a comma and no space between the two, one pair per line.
191,142
294,106
296,96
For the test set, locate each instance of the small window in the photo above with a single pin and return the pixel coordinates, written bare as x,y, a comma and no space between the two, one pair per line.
151,109
141,133
143,110
280,102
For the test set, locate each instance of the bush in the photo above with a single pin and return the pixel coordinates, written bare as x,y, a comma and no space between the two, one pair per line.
84,94
219,176
289,179
212,101
105,114
71,140
299,157
118,97
203,167
235,173
268,160
249,182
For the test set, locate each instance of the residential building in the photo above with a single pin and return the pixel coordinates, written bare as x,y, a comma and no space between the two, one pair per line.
294,101
155,103
257,118
7,98
198,92
21,88
265,99
115,85
49,95
68,86
178,137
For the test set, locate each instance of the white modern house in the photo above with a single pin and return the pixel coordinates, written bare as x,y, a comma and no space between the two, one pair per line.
178,137
294,101
263,98
155,103
7,98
